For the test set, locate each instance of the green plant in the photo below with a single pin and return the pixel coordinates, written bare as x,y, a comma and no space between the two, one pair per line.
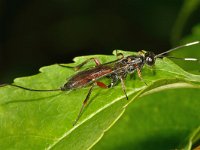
39,120
162,115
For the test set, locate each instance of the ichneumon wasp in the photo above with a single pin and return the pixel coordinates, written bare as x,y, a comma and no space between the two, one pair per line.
116,70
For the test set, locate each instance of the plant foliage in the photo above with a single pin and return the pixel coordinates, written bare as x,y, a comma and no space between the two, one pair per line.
43,120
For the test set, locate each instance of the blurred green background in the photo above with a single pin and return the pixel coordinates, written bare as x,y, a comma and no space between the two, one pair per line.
38,33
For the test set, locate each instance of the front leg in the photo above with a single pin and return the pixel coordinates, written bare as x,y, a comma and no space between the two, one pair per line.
139,73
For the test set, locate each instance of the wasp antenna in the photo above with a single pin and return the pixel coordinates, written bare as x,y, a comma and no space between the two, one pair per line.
29,89
187,59
178,47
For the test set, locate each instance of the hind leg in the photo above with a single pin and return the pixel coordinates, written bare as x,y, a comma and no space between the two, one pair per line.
97,62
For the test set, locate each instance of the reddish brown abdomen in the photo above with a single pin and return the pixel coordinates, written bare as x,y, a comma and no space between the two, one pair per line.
86,77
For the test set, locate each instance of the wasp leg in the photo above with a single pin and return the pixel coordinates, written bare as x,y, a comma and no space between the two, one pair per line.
114,80
119,55
140,75
84,104
123,87
101,84
98,83
97,62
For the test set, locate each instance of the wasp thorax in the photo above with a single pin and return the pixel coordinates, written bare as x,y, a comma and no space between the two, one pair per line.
150,58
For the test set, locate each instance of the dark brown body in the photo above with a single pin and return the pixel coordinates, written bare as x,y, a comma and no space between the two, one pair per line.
115,69
86,77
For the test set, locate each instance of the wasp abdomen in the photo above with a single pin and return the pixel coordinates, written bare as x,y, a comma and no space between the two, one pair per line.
86,77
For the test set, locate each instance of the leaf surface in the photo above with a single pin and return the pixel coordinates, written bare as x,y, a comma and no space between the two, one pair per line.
164,120
43,120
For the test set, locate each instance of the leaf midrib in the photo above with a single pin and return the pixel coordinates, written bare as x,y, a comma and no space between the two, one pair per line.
91,116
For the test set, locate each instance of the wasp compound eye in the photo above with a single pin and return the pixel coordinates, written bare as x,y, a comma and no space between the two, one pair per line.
150,58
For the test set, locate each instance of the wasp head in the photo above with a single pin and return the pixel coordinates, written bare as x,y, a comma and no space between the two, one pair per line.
150,58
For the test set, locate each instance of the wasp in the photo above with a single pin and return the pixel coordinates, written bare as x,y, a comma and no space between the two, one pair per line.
116,70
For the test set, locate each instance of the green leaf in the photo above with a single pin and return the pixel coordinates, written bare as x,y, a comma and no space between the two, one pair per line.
43,120
162,121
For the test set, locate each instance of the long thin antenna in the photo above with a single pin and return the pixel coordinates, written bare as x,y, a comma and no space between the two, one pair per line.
28,89
187,59
178,47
